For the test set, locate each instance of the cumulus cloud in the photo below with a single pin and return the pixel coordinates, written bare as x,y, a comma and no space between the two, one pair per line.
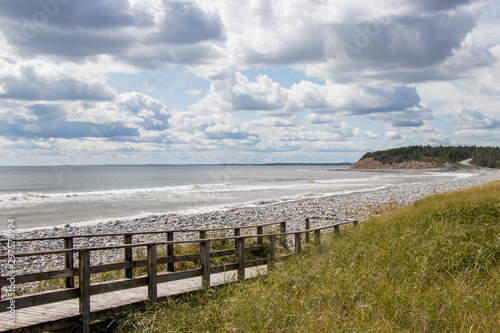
231,91
366,62
128,118
27,81
392,135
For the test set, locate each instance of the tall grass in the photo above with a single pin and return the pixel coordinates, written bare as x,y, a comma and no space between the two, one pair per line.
430,267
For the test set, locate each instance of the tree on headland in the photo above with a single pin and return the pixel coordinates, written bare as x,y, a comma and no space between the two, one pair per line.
481,156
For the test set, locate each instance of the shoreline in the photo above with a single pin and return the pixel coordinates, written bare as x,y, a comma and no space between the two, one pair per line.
87,227
47,229
354,205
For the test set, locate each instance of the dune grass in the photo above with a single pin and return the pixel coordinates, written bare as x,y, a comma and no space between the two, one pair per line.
433,266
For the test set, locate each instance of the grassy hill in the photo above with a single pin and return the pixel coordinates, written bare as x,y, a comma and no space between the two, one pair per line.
433,266
481,156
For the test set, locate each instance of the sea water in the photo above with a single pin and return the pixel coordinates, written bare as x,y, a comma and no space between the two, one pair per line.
52,196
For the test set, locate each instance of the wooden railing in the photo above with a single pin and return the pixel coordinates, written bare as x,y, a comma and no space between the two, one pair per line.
84,269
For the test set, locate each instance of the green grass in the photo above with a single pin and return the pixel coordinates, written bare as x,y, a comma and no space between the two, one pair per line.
430,267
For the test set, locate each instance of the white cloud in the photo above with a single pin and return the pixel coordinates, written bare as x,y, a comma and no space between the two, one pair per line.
388,68
392,135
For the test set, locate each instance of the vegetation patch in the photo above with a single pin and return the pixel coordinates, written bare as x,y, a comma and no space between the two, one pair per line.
433,266
481,156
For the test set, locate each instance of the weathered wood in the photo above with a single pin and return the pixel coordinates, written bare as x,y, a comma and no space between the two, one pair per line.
203,234
170,250
84,294
106,287
283,238
40,299
259,232
152,273
223,268
59,274
336,230
119,234
205,263
169,277
127,255
256,262
317,236
298,243
237,233
272,250
85,290
355,223
241,258
69,261
307,227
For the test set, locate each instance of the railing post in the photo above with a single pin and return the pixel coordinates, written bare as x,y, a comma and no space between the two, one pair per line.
259,232
69,261
307,227
298,243
170,250
237,232
272,253
205,263
127,254
336,230
203,234
241,258
317,235
152,273
355,223
84,287
283,230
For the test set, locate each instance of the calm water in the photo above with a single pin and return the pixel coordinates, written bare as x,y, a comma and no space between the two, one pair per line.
50,196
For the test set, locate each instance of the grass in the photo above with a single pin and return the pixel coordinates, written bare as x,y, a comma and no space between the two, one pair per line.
433,266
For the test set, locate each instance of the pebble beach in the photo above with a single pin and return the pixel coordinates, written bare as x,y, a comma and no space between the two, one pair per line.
355,205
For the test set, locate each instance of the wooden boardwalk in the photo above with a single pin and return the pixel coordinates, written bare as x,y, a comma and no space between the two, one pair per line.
63,315
74,307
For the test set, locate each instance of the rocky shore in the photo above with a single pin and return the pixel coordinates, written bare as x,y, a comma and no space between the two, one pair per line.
356,205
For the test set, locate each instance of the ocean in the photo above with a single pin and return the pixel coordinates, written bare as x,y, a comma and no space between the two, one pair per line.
53,196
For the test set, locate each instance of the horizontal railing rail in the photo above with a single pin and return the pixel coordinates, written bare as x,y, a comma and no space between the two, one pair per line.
135,233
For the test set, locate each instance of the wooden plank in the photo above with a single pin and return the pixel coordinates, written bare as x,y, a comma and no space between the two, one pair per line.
127,255
39,299
259,232
283,238
141,263
69,262
272,250
257,262
152,273
317,237
106,287
307,227
241,258
176,276
237,233
298,243
84,294
205,263
170,250
223,268
59,274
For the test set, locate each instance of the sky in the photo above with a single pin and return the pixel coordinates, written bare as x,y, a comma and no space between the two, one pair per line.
201,82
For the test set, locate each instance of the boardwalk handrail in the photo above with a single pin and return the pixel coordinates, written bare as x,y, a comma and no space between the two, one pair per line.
85,289
133,233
